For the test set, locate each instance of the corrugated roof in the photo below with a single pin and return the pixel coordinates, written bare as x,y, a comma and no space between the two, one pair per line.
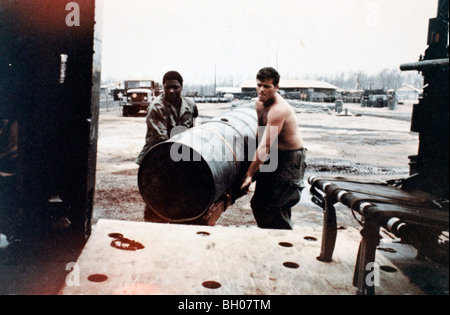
295,84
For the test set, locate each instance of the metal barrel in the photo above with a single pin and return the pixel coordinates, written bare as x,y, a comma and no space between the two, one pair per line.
181,178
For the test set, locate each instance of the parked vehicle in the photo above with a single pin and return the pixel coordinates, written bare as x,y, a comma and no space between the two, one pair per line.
137,96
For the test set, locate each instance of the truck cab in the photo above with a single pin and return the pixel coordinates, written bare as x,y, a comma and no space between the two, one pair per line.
136,100
137,96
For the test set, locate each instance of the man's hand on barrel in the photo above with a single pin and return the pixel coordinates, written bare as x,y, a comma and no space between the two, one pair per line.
246,184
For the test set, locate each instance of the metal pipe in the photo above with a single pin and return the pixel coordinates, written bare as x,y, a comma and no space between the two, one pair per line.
179,179
423,65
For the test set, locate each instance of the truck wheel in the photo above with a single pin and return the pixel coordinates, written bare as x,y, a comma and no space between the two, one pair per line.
379,102
125,112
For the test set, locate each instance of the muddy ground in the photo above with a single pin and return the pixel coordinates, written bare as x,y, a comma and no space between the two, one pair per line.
367,142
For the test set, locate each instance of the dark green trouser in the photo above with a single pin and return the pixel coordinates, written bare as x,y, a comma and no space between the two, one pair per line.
277,192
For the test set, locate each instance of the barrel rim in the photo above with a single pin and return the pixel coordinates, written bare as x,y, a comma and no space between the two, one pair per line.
190,219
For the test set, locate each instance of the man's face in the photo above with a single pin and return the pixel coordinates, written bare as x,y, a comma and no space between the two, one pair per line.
266,90
172,90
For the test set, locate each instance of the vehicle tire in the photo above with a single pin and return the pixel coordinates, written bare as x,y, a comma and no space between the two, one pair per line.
379,102
125,112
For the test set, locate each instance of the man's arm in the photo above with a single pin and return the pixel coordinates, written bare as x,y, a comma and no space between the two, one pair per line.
157,125
156,129
275,121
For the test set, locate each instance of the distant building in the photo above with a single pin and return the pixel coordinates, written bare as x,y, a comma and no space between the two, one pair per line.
228,89
310,90
295,86
407,92
106,89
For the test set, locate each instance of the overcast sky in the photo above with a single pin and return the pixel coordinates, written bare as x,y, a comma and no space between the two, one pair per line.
146,38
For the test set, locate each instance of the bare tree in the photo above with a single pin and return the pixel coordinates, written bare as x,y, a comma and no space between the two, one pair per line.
385,79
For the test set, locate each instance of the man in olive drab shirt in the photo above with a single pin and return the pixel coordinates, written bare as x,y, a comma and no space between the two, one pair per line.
276,191
168,111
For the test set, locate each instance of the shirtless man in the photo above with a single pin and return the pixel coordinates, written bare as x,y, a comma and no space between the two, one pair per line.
276,191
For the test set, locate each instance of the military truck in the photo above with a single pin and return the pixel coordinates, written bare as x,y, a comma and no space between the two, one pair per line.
374,98
137,96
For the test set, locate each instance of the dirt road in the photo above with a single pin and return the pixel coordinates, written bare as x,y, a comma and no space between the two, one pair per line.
360,144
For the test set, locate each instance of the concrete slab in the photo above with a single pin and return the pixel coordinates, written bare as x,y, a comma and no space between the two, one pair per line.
204,260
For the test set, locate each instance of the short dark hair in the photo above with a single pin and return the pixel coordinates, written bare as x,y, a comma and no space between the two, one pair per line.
268,73
173,75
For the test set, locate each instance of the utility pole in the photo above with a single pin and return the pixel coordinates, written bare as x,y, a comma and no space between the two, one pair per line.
215,78
276,52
